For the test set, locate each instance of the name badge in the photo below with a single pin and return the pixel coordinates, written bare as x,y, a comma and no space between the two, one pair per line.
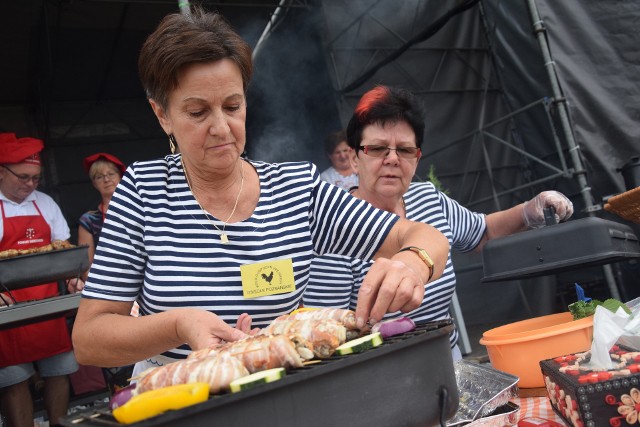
267,278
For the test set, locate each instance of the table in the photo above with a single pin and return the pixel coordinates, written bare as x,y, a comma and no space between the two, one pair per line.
537,406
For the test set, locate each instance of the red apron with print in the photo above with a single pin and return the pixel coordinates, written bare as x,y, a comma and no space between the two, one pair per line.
37,340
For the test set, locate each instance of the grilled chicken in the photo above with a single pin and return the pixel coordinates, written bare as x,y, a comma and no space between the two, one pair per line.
217,370
320,337
258,353
345,317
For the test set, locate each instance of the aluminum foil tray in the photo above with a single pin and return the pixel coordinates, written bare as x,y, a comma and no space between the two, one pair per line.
35,269
484,392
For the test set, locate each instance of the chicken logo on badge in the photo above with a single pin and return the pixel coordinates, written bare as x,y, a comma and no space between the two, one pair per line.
266,274
268,278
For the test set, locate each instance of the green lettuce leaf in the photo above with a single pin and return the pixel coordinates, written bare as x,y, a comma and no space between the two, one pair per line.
581,309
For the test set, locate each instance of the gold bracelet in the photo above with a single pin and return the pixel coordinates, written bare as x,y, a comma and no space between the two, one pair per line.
424,256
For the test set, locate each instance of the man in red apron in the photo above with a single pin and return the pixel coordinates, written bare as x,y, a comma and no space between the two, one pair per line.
30,219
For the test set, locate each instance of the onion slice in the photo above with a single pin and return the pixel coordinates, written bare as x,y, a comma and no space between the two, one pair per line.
121,396
391,327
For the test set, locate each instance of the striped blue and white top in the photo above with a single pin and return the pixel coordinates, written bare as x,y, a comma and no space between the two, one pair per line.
158,247
335,280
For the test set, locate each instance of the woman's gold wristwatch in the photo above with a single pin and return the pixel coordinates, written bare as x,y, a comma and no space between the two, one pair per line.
424,256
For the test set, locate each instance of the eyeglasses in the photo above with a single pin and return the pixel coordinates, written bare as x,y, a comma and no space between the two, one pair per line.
383,151
111,176
24,179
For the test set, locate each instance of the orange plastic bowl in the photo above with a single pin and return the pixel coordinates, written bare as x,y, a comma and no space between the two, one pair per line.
518,348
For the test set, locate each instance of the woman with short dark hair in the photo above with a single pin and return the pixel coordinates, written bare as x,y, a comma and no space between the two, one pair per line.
205,238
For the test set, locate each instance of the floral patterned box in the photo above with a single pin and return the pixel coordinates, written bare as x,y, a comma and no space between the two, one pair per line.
589,398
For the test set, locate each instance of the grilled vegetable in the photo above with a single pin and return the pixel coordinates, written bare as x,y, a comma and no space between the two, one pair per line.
262,377
360,344
580,309
155,402
121,396
391,327
302,310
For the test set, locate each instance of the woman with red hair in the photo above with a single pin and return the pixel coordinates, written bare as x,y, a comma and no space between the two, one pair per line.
386,132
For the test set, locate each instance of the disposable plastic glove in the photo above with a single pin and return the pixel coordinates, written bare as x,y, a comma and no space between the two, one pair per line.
533,213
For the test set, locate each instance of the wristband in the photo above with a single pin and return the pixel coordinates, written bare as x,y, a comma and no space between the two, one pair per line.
424,256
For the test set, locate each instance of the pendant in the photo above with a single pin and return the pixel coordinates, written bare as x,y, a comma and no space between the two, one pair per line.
224,238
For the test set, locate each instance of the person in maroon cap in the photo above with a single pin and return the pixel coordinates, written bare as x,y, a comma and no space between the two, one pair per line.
30,219
105,171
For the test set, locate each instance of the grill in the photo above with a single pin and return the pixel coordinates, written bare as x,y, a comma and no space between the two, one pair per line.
35,269
37,311
407,381
559,247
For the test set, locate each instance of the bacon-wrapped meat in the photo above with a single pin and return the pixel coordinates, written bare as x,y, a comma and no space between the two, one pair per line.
258,353
345,317
218,371
319,336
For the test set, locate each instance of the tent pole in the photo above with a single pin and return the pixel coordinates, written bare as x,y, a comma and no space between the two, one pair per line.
574,150
267,29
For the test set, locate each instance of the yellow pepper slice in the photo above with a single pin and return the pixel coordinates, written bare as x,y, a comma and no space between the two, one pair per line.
154,402
303,309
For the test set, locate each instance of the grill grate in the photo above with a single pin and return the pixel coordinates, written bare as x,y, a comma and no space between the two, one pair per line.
309,380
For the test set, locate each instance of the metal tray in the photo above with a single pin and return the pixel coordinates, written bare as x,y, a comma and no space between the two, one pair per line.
400,383
559,247
24,313
35,269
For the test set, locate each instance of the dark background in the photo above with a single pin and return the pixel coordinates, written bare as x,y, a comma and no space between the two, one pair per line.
69,76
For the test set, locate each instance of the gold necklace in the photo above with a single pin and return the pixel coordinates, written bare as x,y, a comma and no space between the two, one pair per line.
223,236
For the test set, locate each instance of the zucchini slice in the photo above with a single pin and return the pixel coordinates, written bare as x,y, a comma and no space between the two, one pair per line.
262,377
360,344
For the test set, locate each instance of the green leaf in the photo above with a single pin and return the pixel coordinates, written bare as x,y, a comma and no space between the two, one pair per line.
434,179
613,305
581,309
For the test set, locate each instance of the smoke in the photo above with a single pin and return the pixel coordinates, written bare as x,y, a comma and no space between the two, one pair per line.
291,104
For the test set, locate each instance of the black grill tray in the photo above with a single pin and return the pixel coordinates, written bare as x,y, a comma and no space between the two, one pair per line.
28,270
559,247
397,384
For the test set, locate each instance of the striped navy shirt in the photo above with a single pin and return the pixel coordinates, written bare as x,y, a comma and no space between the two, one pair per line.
335,280
157,246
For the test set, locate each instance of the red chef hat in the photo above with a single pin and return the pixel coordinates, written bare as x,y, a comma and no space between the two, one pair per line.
19,150
89,160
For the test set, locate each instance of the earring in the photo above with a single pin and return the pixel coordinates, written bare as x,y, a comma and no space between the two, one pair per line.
172,143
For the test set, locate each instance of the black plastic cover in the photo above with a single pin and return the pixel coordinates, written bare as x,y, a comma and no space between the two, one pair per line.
560,247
